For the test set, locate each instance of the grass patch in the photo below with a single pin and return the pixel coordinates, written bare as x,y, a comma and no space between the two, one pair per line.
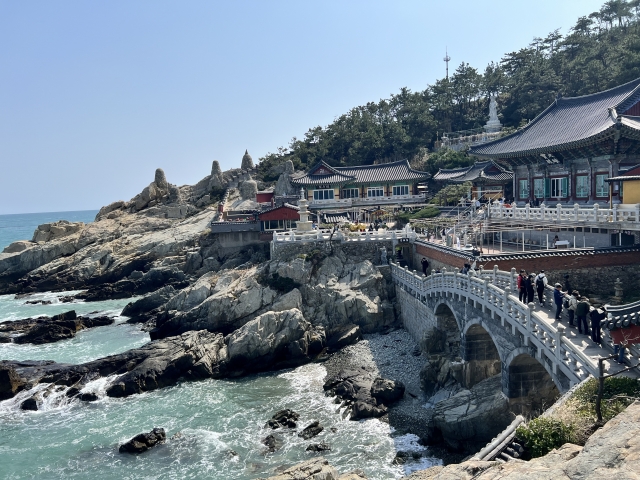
576,420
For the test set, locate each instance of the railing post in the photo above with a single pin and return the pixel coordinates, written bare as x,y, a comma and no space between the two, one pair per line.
495,274
558,352
528,210
596,209
558,212
576,212
542,207
513,279
615,213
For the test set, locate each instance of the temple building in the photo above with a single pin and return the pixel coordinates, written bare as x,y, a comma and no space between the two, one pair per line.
344,187
628,185
489,180
569,151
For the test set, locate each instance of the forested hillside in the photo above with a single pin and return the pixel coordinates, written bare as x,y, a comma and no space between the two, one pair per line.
600,51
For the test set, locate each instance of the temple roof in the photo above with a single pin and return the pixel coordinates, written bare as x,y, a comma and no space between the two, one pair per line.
322,173
570,123
632,174
486,171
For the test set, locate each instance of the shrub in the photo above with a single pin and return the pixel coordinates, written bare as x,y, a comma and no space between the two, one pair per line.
541,435
618,394
278,283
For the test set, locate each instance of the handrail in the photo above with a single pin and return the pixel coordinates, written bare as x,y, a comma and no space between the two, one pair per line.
566,213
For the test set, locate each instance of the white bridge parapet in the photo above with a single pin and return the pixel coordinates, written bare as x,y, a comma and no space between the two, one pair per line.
326,235
491,290
576,215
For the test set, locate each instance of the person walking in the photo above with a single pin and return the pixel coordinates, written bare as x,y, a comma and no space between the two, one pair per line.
573,303
581,312
558,298
541,282
597,315
528,286
425,265
567,285
522,292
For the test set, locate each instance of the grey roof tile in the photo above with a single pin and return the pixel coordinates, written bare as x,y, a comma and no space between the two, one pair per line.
479,170
386,172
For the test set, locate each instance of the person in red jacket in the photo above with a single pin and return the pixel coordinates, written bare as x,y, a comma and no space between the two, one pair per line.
521,288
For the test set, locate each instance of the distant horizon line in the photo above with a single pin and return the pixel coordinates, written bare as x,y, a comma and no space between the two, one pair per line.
55,211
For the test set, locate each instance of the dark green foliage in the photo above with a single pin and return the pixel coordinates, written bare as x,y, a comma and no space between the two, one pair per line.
278,283
429,211
216,194
451,194
618,394
541,435
315,257
599,52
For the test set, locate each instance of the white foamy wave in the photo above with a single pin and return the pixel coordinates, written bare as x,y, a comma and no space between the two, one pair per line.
47,396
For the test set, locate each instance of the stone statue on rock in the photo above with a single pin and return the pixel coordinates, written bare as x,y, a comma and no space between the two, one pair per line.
248,190
283,186
216,181
247,161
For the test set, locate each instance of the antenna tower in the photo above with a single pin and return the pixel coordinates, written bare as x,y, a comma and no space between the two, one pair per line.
446,59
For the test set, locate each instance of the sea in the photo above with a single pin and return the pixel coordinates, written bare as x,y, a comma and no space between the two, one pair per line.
214,428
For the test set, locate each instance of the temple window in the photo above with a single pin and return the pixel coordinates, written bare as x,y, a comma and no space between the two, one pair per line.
559,187
538,187
350,193
401,190
524,188
323,194
582,186
375,192
602,188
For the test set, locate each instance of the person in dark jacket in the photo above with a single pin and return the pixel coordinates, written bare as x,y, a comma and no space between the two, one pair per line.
528,286
597,315
558,298
581,312
567,285
425,265
541,282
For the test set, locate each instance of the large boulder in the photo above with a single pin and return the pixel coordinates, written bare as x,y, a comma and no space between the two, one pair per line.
144,441
284,186
473,417
149,302
192,355
10,382
274,338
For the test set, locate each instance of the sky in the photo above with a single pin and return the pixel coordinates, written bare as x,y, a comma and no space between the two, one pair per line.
94,96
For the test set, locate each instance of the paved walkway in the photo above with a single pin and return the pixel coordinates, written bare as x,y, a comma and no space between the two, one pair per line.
587,346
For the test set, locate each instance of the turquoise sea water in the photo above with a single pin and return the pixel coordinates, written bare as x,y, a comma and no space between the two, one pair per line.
21,226
205,421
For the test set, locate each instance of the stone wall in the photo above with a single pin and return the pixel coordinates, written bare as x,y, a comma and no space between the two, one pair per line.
369,250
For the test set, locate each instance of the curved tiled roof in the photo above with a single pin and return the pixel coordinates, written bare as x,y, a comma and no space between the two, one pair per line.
568,123
386,172
476,171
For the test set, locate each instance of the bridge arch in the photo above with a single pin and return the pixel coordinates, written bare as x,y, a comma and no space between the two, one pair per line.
530,386
449,325
480,352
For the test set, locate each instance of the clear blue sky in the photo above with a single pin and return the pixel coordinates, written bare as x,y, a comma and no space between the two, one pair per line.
95,95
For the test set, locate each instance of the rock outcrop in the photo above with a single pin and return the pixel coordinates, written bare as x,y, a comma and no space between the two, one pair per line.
283,185
611,452
362,393
49,329
315,469
52,231
272,340
144,441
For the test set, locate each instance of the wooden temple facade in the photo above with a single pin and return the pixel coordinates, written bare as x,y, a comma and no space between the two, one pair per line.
568,153
345,187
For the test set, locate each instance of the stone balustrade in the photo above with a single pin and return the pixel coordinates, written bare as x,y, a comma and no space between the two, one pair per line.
567,215
326,235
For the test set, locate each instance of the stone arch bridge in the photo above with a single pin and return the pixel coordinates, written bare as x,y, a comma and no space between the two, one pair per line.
491,331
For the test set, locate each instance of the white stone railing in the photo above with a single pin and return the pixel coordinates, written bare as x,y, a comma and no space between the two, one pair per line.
323,235
566,214
491,289
349,202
